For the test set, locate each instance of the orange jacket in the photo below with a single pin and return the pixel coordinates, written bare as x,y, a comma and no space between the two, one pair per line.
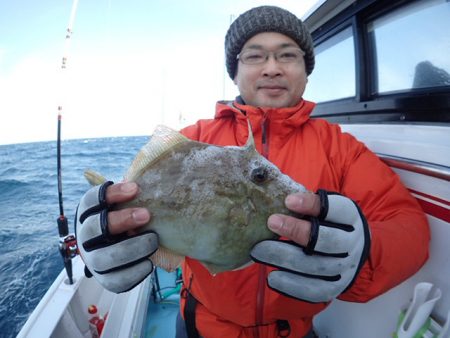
318,155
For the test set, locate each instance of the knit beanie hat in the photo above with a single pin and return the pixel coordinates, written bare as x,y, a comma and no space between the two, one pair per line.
266,19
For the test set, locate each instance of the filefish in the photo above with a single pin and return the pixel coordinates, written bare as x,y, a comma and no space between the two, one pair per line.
207,202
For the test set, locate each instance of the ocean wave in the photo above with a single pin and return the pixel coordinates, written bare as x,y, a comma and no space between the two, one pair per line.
24,281
11,185
10,171
29,257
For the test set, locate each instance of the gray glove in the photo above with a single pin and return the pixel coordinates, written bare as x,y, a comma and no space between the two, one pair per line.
338,247
118,262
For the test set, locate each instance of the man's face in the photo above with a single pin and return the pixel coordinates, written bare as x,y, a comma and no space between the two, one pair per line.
271,83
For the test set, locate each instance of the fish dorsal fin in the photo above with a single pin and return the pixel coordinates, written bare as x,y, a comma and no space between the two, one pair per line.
250,144
162,140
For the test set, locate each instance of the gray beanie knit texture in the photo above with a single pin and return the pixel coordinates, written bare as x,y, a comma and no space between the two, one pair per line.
266,19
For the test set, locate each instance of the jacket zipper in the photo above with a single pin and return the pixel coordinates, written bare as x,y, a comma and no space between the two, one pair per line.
265,137
262,269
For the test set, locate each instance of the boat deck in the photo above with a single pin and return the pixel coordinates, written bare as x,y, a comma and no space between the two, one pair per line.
163,306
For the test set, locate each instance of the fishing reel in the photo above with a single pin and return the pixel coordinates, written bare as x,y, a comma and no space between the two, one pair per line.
68,247
67,242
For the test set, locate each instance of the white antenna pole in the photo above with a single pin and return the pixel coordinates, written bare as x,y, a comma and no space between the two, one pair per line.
225,74
69,33
65,57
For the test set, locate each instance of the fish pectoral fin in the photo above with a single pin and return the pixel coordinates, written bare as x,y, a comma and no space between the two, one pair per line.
240,213
251,206
166,259
93,177
238,216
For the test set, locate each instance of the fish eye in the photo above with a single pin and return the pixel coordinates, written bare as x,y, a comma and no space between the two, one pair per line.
259,175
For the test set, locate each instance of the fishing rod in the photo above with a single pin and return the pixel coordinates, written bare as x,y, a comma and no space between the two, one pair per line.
67,242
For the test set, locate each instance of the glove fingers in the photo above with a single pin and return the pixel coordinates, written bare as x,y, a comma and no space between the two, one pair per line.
93,201
341,210
127,278
341,226
300,287
289,256
91,227
335,239
118,262
339,244
123,253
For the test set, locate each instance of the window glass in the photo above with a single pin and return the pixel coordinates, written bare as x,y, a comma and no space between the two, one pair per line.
413,47
333,76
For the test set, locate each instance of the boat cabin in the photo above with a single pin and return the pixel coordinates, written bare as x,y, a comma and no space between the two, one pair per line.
383,73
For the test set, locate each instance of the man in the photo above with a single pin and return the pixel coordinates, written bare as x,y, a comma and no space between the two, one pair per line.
353,244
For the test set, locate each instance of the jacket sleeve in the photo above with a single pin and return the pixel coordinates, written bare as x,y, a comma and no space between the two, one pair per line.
399,229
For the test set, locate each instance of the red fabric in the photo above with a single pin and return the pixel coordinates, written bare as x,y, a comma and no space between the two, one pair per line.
318,155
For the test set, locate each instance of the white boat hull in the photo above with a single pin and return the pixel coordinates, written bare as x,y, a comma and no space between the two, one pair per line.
62,312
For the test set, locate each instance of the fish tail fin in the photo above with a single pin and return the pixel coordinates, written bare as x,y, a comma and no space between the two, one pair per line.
93,177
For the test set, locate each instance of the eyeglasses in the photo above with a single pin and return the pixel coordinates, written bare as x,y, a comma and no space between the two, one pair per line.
260,56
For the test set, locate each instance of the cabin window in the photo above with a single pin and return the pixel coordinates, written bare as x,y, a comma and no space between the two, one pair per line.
333,76
412,47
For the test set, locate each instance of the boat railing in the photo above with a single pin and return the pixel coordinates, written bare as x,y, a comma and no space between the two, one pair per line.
416,166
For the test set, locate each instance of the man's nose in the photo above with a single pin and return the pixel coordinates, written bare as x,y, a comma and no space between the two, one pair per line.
272,67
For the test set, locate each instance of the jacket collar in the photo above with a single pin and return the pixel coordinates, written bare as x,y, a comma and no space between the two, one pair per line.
288,117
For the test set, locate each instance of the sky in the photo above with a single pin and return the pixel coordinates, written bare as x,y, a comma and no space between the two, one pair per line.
131,65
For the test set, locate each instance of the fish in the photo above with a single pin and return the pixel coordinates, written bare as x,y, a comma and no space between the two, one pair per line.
207,202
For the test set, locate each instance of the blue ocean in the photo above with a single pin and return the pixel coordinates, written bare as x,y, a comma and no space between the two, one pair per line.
29,256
